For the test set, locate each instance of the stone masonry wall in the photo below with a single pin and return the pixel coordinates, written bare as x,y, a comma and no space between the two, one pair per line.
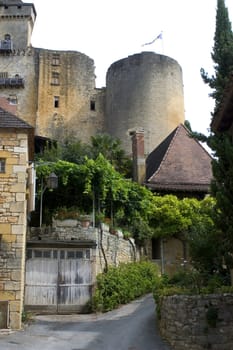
68,77
197,322
144,91
13,148
115,248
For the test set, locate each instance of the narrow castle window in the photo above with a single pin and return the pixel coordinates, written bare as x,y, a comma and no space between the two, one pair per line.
56,101
92,105
55,78
2,165
12,99
56,60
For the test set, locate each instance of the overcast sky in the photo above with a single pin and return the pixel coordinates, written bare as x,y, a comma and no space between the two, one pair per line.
108,30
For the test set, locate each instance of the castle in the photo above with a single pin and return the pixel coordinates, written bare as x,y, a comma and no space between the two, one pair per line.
54,95
54,91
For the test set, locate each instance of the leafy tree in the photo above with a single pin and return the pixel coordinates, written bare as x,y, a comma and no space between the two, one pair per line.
112,150
74,151
205,240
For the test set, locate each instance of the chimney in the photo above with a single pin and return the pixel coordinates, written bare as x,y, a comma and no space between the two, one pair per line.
139,167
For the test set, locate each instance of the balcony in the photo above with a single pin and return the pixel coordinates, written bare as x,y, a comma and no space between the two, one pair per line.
6,46
15,82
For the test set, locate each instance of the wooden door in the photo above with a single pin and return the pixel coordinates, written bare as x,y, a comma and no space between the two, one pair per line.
58,280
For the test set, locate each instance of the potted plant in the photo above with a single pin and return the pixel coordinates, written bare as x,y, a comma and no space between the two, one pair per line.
85,220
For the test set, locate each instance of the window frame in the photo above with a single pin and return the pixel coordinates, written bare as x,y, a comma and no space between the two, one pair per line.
56,102
56,60
55,78
2,165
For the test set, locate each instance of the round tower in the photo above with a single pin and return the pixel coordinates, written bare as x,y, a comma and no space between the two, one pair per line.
144,91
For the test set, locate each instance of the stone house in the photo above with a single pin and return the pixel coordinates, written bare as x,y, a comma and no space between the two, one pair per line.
16,151
179,165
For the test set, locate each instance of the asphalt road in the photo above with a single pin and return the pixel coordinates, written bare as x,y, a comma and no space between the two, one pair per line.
131,327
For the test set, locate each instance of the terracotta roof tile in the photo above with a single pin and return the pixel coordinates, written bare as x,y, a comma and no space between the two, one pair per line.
9,120
179,163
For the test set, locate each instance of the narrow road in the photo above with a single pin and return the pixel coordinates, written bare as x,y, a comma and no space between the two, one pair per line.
131,327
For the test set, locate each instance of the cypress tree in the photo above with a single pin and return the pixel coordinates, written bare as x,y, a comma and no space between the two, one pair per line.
221,143
222,54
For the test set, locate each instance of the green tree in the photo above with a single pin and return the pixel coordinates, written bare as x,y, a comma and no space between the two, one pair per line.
221,143
74,151
222,54
112,150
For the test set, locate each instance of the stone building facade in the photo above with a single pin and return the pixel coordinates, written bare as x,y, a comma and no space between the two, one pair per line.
14,164
55,92
63,261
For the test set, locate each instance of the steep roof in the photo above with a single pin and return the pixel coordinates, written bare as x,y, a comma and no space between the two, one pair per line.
9,120
179,163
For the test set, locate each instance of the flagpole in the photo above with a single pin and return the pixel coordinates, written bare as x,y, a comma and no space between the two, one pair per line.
160,36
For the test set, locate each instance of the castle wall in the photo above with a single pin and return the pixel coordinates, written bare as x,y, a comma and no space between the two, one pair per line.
144,91
23,63
68,103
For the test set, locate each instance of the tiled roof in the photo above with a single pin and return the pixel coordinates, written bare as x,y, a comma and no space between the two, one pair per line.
179,163
8,120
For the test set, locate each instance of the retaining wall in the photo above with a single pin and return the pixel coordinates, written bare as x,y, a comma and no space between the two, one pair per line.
197,322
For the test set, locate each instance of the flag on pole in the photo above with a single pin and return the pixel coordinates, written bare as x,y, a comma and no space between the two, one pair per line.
160,36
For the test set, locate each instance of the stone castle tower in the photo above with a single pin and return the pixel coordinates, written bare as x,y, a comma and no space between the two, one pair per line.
54,91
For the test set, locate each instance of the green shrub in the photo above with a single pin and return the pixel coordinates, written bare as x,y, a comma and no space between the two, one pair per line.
189,282
124,283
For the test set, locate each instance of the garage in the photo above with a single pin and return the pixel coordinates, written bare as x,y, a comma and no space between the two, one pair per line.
59,279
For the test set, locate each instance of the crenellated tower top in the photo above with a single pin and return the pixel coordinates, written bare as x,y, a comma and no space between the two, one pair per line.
16,24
